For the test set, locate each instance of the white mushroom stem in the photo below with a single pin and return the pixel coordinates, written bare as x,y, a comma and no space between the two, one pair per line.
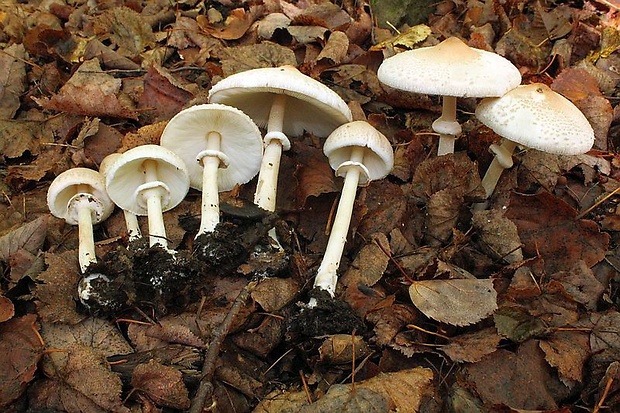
327,277
211,159
275,141
447,126
153,195
86,247
502,160
133,228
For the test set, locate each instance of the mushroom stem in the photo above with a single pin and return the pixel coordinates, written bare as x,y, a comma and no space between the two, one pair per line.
275,142
502,160
153,197
86,240
327,277
210,214
133,228
447,126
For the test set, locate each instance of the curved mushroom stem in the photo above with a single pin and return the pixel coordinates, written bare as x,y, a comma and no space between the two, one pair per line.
153,197
327,277
275,142
210,214
502,160
446,126
86,240
133,228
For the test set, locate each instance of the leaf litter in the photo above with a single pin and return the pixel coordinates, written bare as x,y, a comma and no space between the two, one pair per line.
510,309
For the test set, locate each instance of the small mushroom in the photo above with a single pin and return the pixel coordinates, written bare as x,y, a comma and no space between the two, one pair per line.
286,102
79,197
360,154
451,69
131,220
536,117
148,180
221,146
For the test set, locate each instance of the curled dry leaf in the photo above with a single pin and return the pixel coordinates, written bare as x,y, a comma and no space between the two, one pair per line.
20,352
456,302
162,384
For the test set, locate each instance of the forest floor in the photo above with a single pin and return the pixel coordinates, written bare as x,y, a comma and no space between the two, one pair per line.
438,307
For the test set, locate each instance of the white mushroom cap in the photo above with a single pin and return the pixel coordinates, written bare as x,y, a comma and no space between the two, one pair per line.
79,182
378,155
241,144
450,68
125,178
315,107
107,162
537,117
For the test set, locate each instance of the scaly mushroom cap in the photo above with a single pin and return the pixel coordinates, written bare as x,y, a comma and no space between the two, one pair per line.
378,155
313,107
67,185
125,177
537,117
241,142
450,68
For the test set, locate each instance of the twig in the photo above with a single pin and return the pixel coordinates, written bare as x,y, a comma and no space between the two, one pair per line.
205,388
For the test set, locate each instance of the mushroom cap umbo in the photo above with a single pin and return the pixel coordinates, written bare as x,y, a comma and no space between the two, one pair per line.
537,117
241,142
450,68
70,184
312,106
378,154
125,178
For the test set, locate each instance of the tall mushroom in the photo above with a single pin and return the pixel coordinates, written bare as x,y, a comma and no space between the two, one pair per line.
450,69
286,102
360,154
536,117
148,180
131,220
79,197
221,146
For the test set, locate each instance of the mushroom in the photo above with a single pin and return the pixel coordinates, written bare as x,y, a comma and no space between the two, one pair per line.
536,117
450,69
360,154
131,220
286,102
79,197
221,146
148,180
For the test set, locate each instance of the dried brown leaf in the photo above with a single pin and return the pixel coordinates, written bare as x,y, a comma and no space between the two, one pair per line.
7,309
389,320
57,294
169,330
29,237
498,234
20,352
162,384
91,92
340,348
567,351
127,28
547,226
20,136
472,347
370,263
581,284
236,25
163,96
12,79
456,302
265,54
313,173
605,330
335,49
272,294
341,398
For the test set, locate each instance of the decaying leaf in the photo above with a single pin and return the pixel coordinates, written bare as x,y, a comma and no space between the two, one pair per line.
162,384
20,352
266,54
29,237
456,302
7,309
567,351
12,79
274,293
127,28
472,347
90,92
236,25
498,234
370,263
340,348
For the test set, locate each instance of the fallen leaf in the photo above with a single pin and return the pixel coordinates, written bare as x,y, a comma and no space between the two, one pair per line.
516,324
20,352
370,263
126,28
236,25
29,237
313,173
265,54
456,302
567,351
163,96
12,79
340,348
57,294
341,398
335,50
7,309
21,136
472,347
272,294
547,226
324,14
162,384
581,284
271,23
389,320
498,234
605,330
521,380
90,92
